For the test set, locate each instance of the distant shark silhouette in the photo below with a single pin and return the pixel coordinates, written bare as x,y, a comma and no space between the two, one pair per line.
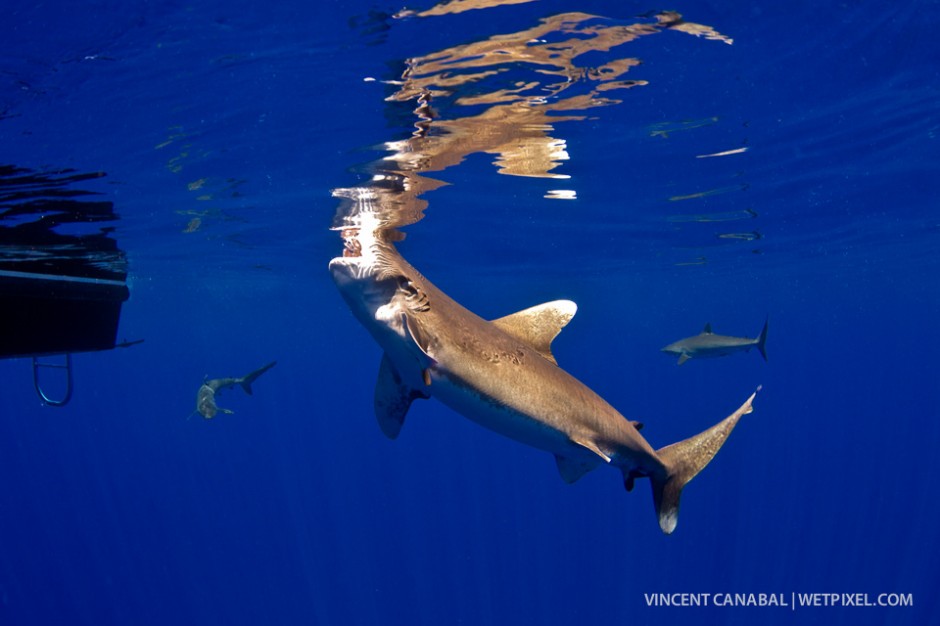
502,375
707,345
205,397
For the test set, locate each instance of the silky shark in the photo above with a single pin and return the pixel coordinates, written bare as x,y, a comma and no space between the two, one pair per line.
502,375
707,345
205,397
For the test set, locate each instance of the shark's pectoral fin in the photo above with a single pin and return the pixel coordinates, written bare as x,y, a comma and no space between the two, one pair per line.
539,325
590,445
683,358
571,470
392,399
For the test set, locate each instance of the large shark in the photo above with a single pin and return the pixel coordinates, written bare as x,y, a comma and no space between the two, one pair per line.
205,397
502,375
707,344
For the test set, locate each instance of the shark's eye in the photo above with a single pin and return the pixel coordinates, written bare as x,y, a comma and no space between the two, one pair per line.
405,285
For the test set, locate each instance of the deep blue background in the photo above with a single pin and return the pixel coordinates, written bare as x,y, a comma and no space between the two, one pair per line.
117,509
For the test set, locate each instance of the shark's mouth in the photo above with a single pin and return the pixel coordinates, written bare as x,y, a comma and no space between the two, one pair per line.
374,263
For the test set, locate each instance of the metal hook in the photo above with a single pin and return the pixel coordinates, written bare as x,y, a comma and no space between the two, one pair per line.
68,381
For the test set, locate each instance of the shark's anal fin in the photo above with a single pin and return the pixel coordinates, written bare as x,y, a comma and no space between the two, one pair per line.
392,399
539,325
629,479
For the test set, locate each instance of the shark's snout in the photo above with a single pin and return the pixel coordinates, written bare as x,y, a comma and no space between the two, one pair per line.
359,282
345,269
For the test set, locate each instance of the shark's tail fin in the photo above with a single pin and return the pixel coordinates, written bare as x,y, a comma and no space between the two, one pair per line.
250,378
762,339
685,459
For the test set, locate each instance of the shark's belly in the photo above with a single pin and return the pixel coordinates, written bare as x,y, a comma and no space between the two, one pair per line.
502,418
708,353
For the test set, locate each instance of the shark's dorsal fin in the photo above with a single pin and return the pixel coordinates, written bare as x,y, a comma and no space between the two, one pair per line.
708,329
539,325
392,399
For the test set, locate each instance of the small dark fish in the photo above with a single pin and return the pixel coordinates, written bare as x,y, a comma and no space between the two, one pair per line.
205,397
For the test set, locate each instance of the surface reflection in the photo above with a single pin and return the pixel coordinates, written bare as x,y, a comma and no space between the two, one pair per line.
62,275
451,7
48,226
502,96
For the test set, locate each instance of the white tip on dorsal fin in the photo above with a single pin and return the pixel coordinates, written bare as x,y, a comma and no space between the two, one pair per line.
539,325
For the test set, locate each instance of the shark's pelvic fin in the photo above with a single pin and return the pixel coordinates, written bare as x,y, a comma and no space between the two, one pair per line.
590,445
392,399
685,459
571,470
539,325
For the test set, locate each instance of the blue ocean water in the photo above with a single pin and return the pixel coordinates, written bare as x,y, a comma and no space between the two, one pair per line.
788,175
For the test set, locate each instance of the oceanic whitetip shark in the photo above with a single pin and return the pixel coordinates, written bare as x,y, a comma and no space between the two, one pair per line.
205,397
502,375
707,344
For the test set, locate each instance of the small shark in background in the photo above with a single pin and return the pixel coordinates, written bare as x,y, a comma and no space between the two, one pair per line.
707,344
205,397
